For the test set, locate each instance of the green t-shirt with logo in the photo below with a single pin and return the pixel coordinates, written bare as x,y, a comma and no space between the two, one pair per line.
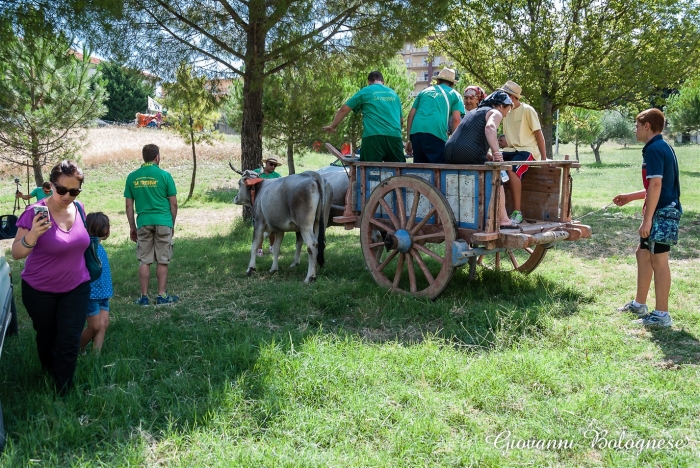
271,175
431,110
150,187
381,110
39,193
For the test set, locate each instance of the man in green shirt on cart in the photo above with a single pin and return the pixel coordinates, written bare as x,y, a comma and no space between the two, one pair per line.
150,191
382,119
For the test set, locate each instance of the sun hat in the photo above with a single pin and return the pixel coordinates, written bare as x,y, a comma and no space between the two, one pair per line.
511,87
446,74
272,159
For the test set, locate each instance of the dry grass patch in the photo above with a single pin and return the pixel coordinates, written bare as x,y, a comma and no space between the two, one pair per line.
123,144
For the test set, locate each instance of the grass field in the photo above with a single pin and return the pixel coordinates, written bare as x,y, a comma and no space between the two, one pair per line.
507,370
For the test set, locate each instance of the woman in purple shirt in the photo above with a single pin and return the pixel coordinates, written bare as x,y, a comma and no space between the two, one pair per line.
55,280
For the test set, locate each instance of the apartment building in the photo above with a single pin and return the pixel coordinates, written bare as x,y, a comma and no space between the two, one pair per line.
416,60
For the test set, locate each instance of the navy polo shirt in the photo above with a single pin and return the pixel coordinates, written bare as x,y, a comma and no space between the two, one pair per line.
660,161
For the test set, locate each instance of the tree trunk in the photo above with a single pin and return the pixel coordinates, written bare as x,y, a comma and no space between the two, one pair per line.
194,161
290,156
36,163
252,126
576,142
596,152
547,125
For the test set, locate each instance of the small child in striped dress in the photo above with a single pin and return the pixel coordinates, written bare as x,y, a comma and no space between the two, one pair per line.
100,290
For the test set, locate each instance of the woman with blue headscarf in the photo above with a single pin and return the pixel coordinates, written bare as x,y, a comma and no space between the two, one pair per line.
476,134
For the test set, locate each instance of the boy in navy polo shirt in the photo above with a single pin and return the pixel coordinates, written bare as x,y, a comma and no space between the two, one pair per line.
661,191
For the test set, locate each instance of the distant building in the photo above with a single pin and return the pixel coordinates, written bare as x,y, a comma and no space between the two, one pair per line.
416,60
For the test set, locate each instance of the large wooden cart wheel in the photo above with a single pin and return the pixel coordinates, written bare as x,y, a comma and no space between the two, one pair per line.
522,260
413,253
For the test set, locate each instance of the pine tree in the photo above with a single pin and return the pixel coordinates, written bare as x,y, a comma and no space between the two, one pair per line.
128,92
47,97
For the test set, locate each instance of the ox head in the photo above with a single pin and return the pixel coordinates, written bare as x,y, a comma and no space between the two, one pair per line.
243,196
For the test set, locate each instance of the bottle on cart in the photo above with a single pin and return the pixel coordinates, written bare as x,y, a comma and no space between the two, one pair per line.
504,177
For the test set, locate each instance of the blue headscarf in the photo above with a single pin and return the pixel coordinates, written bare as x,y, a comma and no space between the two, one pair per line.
496,98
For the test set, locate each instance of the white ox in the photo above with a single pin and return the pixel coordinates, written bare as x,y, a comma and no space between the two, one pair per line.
297,203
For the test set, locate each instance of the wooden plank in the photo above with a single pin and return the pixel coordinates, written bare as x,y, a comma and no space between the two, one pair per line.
566,194
542,179
481,237
514,241
540,206
586,231
574,234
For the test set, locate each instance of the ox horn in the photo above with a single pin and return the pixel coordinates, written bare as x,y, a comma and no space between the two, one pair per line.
234,169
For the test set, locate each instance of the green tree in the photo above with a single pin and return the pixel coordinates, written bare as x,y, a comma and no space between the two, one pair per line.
613,125
128,92
579,53
255,39
192,111
47,95
580,126
683,108
299,100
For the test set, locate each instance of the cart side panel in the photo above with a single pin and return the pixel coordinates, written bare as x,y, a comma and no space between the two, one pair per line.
461,189
423,205
541,188
373,177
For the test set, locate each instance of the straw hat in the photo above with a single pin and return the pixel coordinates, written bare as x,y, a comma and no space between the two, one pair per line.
272,159
446,74
511,87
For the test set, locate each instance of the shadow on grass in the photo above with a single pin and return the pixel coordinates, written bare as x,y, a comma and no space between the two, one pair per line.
690,174
170,369
679,347
615,233
603,165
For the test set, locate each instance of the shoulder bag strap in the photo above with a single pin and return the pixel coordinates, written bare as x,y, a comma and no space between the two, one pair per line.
82,215
448,104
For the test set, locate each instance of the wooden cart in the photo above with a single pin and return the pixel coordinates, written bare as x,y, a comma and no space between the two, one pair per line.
419,222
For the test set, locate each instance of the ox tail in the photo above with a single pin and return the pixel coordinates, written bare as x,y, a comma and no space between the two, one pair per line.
321,220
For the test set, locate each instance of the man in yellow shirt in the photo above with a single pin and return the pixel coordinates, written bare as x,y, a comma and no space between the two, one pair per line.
525,141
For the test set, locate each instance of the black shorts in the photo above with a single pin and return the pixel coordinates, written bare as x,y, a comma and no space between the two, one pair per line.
658,248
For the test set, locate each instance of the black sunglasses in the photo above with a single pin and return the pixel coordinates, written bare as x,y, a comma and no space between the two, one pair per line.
61,190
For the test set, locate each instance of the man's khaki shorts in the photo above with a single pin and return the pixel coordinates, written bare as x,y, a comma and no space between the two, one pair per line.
155,244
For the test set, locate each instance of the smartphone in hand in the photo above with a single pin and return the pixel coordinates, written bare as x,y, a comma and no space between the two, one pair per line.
44,213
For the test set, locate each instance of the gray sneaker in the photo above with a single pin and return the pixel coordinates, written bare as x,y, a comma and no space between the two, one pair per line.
640,311
656,320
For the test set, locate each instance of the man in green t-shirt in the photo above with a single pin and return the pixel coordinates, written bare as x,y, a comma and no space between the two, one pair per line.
434,111
40,192
382,119
268,170
151,191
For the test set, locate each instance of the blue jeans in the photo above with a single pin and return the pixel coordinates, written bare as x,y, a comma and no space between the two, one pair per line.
427,148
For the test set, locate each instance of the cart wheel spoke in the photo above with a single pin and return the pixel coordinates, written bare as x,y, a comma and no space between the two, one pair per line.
428,252
380,225
411,273
423,221
399,270
423,266
414,212
392,216
388,260
401,207
513,260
